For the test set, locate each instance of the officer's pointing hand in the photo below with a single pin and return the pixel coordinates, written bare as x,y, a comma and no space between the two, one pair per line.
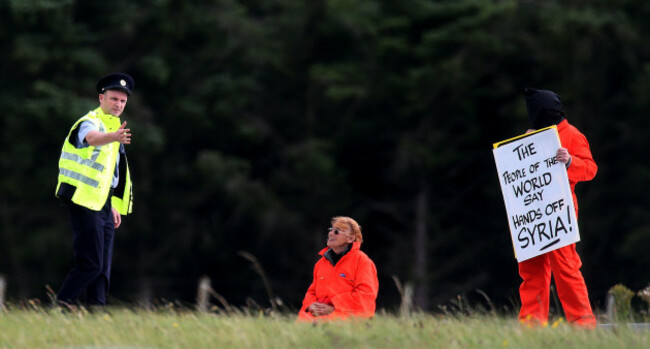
122,135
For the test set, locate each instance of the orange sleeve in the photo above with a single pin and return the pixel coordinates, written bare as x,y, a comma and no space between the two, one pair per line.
582,167
310,296
361,300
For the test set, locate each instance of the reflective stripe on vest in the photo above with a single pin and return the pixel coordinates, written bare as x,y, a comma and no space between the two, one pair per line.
98,149
78,176
86,162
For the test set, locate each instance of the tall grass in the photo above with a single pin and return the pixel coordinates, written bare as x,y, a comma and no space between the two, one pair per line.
170,328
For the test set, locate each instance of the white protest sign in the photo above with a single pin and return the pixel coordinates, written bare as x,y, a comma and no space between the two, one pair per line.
536,192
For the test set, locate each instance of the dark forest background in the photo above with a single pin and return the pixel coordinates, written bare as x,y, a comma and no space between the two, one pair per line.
256,121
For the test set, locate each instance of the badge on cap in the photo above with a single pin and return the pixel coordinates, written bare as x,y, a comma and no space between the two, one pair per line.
122,82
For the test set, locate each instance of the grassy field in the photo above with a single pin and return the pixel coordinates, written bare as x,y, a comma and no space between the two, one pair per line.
170,328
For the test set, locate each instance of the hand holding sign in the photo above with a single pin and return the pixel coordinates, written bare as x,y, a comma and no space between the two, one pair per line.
536,192
563,155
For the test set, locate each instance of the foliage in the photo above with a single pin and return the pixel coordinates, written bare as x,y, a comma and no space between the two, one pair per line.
623,301
644,294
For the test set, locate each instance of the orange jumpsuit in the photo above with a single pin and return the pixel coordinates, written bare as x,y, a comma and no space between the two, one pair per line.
350,286
564,263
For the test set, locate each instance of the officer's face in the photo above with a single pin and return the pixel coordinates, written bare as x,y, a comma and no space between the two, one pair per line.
113,102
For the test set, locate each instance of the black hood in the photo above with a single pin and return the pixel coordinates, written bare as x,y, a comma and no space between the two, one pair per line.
544,108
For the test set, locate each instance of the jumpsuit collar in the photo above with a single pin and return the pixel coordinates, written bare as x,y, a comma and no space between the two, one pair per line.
562,124
333,258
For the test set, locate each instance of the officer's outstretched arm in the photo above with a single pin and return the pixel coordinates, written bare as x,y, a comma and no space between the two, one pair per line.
122,135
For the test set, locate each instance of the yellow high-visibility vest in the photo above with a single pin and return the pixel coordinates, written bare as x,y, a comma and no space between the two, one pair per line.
85,174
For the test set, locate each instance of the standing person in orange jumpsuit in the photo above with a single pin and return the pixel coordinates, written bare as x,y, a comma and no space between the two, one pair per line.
345,279
545,109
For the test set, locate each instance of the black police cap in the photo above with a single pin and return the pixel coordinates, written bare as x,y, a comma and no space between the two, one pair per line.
116,81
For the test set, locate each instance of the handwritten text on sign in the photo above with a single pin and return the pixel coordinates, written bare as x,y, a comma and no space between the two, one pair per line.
537,195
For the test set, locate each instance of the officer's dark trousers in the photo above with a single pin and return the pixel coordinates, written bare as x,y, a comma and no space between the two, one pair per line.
92,234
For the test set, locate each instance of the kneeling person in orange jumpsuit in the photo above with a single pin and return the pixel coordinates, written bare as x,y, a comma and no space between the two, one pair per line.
545,109
345,279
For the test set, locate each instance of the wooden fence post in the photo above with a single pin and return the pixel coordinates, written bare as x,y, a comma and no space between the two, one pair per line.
611,308
203,294
3,286
406,293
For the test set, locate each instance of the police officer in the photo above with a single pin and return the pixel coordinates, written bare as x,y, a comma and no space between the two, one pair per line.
94,183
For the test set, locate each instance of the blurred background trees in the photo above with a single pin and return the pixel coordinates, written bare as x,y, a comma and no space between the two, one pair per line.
254,122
